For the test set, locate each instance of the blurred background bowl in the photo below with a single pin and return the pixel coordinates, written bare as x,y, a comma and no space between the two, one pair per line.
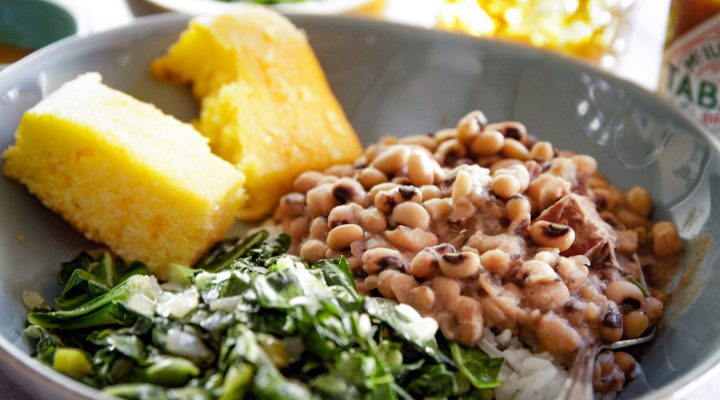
27,25
305,7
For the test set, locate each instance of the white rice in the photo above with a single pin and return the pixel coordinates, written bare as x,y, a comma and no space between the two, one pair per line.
524,375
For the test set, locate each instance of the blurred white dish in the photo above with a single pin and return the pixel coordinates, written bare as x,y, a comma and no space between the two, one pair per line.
305,7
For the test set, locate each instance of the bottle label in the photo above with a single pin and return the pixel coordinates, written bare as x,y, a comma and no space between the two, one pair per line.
691,78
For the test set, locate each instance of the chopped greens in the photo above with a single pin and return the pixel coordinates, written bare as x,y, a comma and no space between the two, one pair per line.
251,321
643,289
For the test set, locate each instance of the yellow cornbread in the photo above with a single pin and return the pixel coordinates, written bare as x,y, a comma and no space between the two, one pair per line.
265,103
124,173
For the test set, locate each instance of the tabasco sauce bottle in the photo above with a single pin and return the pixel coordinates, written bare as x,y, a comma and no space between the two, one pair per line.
691,66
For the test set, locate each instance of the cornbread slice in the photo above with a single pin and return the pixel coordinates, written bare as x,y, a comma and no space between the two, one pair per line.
265,102
124,173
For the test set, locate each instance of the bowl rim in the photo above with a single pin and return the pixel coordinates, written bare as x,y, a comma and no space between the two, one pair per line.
15,362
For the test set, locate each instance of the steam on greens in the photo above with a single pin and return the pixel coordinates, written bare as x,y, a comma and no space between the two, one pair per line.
252,322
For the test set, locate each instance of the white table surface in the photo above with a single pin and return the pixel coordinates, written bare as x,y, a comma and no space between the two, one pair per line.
640,63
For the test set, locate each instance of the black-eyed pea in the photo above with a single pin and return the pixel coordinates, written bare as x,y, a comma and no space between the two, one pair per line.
573,273
629,218
555,189
592,312
460,265
313,250
450,151
420,168
347,190
447,291
401,285
331,254
653,309
634,324
320,200
401,180
519,171
370,177
422,298
627,363
355,263
420,140
291,205
299,228
598,181
444,135
430,192
462,186
470,126
666,240
340,170
563,167
639,201
342,236
536,271
408,193
371,152
344,214
469,317
633,269
490,283
551,234
549,257
505,186
591,293
514,149
410,214
439,209
385,201
385,279
502,164
547,296
368,284
380,259
488,143
557,336
424,263
392,159
319,228
462,209
307,180
380,187
611,326
585,166
328,179
372,220
542,151
642,234
388,140
536,186
496,261
518,207
511,130
627,242
411,239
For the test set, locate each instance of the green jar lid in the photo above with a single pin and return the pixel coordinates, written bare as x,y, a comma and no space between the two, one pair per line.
32,24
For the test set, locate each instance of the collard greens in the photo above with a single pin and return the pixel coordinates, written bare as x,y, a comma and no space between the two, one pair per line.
249,321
